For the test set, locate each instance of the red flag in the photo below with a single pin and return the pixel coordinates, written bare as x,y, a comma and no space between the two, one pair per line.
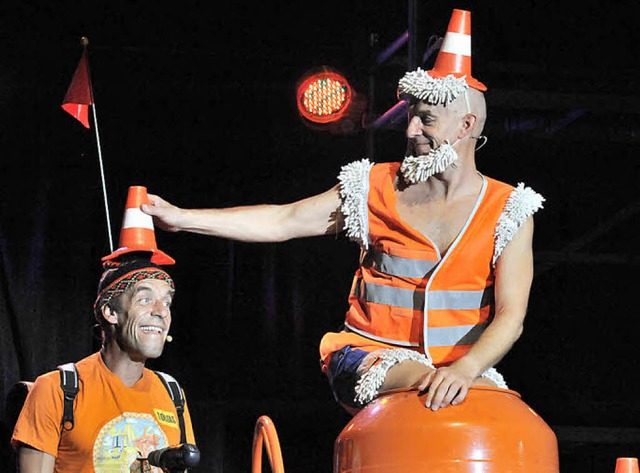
79,95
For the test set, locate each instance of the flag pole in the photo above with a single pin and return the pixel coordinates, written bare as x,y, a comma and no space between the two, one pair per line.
104,187
85,42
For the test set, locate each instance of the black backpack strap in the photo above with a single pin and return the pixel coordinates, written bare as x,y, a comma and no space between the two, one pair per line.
175,392
69,385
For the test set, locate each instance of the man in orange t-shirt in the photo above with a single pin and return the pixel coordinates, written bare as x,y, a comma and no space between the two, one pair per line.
122,410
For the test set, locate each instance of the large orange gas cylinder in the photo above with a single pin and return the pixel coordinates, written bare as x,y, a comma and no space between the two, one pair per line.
492,431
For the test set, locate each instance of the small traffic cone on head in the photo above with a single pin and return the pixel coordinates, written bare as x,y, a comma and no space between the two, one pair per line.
627,465
455,53
137,233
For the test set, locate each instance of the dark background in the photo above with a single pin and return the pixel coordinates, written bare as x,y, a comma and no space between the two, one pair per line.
196,101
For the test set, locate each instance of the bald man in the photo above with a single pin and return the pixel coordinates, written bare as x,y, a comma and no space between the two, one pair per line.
446,266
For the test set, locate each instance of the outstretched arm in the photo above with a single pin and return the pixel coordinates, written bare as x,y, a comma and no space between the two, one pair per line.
313,216
514,274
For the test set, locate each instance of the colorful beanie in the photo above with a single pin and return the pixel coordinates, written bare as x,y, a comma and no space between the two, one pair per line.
119,275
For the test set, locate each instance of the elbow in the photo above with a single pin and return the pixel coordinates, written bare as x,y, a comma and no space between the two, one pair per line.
282,228
517,333
278,235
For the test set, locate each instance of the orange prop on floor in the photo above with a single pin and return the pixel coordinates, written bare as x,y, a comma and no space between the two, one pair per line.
265,432
627,465
492,431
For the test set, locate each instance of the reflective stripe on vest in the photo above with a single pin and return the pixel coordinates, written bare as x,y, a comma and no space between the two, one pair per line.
411,299
438,300
459,335
397,266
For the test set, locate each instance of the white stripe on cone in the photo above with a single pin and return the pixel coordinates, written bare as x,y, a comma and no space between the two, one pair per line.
136,218
456,43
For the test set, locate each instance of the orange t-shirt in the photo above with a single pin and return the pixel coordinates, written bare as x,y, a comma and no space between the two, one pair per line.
114,424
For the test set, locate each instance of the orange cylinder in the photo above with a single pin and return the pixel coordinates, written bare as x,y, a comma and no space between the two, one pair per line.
492,431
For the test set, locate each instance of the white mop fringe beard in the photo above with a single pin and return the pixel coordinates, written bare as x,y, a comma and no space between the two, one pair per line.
420,168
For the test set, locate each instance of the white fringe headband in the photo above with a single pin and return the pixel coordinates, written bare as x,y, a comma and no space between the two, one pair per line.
434,91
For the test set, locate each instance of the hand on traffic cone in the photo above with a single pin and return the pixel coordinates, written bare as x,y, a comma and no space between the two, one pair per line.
137,233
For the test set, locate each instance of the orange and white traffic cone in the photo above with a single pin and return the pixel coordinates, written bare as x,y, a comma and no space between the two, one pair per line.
137,233
454,56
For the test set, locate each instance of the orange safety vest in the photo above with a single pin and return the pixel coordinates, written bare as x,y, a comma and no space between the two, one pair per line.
407,294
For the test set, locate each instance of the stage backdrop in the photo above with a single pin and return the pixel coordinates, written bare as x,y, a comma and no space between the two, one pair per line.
199,108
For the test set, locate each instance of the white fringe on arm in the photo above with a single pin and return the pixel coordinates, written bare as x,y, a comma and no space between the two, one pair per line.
354,191
523,202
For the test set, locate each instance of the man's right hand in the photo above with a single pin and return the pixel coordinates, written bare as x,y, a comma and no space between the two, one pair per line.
165,215
445,387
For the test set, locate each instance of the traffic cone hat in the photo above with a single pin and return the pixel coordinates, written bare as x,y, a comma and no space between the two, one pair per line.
455,53
451,73
137,233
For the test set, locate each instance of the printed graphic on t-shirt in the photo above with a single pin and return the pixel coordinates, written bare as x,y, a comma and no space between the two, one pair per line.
124,439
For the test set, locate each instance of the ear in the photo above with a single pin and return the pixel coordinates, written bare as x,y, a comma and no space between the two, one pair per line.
109,314
468,124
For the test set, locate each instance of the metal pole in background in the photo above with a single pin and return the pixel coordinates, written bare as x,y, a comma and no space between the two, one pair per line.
411,38
373,42
412,28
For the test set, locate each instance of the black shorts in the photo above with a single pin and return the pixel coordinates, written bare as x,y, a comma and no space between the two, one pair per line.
342,374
